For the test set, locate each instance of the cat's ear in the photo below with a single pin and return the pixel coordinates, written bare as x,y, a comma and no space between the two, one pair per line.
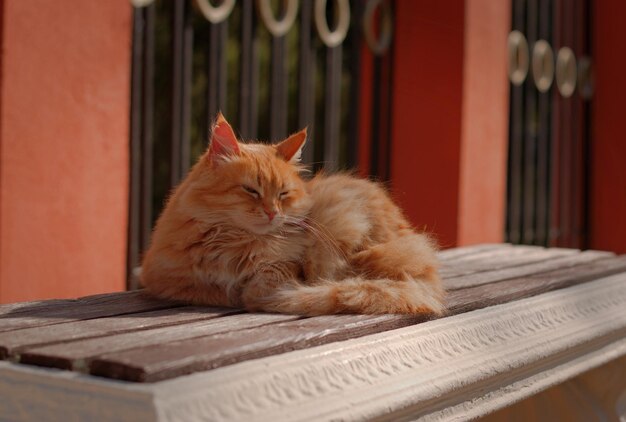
291,148
223,141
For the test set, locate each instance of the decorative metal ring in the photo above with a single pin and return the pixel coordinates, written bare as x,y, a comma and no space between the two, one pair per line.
215,14
518,58
543,65
277,27
141,3
585,78
381,45
336,37
566,72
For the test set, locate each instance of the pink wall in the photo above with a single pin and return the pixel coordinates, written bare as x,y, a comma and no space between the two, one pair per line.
484,136
64,112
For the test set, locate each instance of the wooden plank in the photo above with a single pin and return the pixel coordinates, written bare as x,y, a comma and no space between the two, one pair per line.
453,253
13,308
497,254
503,273
450,270
76,354
169,360
13,342
34,307
531,254
185,357
44,313
471,298
500,258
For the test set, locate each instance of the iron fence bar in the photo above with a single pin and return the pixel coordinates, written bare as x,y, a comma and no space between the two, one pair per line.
530,134
248,66
557,127
254,83
216,72
577,228
543,139
135,146
278,89
380,126
178,7
182,43
516,128
306,79
375,149
567,141
142,95
387,84
332,107
587,21
355,43
147,140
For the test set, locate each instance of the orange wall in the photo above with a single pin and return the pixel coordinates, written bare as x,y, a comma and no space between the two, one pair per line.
484,136
608,145
64,107
426,113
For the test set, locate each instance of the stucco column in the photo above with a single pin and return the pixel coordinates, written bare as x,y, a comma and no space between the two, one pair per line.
64,124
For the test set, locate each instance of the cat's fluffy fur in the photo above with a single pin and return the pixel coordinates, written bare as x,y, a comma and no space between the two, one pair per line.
245,230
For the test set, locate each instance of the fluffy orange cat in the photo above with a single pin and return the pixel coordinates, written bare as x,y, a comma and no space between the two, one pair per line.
245,230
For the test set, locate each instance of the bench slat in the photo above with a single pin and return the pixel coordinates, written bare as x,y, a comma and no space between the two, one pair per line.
471,298
185,357
13,342
454,253
498,273
44,313
491,263
503,253
75,354
170,360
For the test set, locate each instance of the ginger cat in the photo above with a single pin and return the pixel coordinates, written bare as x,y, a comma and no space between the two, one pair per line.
245,230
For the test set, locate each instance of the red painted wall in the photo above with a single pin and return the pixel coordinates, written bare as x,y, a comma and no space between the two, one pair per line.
426,120
64,107
450,117
608,141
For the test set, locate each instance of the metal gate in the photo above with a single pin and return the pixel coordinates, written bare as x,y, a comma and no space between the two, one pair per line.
550,73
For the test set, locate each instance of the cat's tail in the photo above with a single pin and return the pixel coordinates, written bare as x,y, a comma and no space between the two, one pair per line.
359,296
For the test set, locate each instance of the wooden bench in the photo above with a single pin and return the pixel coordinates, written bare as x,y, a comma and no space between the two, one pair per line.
521,319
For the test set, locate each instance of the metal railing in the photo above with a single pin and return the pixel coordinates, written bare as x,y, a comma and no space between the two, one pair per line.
550,73
272,67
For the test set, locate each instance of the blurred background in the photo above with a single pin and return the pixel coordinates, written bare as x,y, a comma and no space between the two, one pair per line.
488,120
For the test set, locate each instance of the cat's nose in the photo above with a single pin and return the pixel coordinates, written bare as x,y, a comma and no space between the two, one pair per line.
270,213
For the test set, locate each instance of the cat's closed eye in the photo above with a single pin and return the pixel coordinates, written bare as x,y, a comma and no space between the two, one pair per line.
283,194
251,191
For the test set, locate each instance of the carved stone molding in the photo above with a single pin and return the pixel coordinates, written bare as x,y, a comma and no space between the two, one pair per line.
453,368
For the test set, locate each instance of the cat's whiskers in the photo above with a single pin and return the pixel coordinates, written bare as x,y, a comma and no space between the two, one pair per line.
328,236
317,230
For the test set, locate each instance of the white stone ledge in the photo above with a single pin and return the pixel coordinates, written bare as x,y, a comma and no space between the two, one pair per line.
450,369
